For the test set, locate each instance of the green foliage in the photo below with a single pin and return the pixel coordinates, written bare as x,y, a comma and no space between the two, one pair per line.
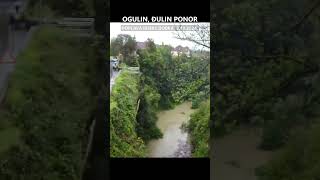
125,141
125,45
198,130
49,102
191,76
298,160
266,70
267,74
9,137
165,80
197,98
175,80
70,8
40,10
146,127
285,114
156,66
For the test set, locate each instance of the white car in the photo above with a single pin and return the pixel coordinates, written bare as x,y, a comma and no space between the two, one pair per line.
115,64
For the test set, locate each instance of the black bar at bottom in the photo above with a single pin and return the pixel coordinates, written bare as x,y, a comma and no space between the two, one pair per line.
160,168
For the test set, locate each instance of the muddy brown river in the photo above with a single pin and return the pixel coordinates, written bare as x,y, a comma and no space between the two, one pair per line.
169,122
235,156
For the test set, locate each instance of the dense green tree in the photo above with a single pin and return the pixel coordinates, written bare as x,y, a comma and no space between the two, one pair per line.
147,117
156,68
263,60
126,46
267,74
191,76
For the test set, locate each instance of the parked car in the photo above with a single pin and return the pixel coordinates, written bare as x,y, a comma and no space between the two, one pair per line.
17,17
115,64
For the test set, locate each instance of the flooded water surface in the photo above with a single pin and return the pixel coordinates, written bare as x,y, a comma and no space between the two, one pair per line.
236,155
169,122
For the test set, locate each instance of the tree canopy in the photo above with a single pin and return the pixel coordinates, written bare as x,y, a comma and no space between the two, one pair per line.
266,71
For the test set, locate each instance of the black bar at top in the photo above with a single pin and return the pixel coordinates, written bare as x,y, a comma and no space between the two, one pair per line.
120,8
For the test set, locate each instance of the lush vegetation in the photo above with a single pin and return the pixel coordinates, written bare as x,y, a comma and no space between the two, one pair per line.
50,100
298,160
125,45
199,131
165,81
123,112
155,64
267,74
176,79
266,71
70,8
149,100
191,80
179,79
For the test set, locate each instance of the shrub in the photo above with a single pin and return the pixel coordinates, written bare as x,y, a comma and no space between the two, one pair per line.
125,141
199,131
49,101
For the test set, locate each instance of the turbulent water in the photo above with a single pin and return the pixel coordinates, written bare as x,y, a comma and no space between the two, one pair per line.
175,141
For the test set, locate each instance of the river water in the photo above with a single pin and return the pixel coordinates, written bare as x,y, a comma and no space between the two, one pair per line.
174,142
235,156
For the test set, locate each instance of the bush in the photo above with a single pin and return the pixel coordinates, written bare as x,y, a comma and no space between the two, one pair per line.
4,123
50,100
199,131
285,114
273,136
146,127
300,159
125,141
197,99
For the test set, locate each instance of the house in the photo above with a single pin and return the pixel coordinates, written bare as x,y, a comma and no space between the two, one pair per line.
141,45
179,50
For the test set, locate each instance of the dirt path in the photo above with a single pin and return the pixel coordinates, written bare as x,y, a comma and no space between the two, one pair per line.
236,156
113,78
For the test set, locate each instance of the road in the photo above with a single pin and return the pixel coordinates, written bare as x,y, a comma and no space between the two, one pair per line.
11,44
114,75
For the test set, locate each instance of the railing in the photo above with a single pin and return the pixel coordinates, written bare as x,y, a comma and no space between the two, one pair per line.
135,70
78,26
